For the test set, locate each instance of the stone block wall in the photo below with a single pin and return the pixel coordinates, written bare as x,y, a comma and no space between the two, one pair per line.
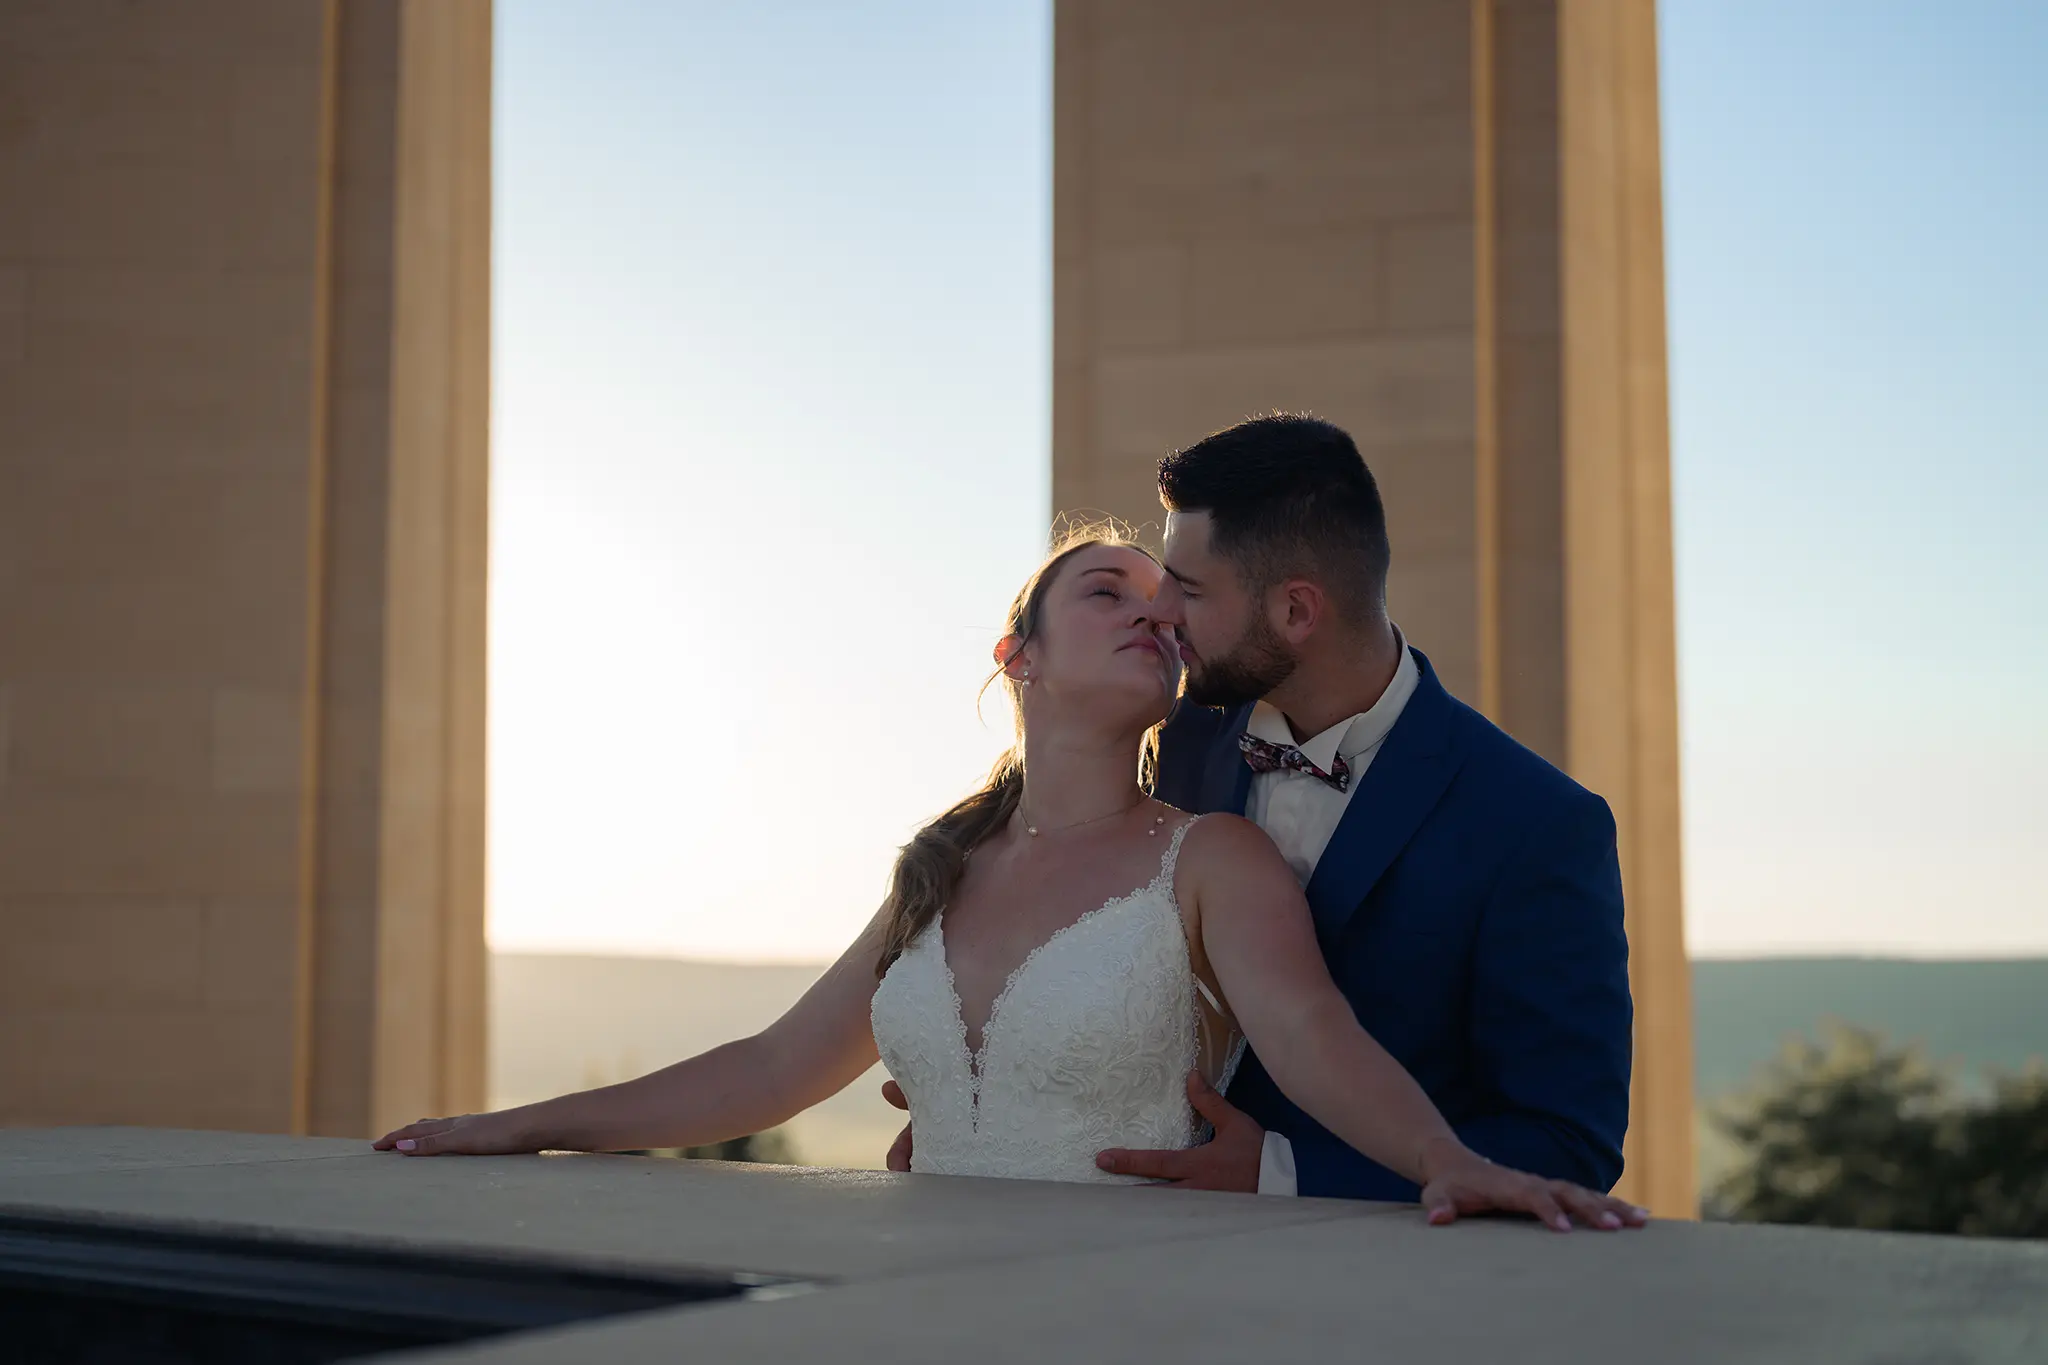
241,560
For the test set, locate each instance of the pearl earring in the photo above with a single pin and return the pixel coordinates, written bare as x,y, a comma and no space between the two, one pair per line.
1026,677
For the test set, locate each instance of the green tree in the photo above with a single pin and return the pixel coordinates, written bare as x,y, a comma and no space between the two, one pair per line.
2001,1179
1855,1133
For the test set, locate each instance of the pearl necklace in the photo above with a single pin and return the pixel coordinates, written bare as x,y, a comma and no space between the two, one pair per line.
1032,829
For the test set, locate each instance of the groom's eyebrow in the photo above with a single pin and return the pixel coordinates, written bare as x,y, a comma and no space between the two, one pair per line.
1181,578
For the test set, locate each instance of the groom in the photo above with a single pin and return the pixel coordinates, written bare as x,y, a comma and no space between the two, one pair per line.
1467,894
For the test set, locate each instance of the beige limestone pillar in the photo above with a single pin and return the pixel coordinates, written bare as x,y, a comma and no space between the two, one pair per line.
244,253
1439,225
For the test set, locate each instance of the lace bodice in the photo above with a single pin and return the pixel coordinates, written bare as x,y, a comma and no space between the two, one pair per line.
1087,1046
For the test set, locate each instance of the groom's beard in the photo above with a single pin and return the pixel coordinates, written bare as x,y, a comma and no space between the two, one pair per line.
1256,665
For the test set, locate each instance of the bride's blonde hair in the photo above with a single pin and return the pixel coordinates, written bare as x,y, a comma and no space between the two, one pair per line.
930,865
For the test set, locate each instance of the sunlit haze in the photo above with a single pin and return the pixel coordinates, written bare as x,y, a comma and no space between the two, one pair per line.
770,441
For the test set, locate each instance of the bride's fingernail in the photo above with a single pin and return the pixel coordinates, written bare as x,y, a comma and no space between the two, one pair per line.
1608,1220
406,1144
1563,1223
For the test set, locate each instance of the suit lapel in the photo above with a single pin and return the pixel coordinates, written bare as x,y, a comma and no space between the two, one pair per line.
1227,780
1406,779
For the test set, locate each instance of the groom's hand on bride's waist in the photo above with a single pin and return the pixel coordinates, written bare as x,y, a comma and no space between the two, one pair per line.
1228,1161
899,1150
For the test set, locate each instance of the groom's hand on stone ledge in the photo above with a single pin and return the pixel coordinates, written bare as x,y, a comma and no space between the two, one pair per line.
899,1150
1228,1161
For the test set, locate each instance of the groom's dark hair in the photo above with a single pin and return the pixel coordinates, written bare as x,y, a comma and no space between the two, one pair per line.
1288,494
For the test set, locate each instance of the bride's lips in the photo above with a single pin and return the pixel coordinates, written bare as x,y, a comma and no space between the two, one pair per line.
1145,644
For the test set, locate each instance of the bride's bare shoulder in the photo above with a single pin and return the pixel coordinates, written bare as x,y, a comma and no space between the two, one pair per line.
1230,847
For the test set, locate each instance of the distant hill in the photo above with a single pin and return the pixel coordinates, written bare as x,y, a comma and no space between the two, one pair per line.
1972,1015
562,1022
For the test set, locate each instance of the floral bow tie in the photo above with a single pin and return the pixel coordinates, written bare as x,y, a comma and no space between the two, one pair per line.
1264,756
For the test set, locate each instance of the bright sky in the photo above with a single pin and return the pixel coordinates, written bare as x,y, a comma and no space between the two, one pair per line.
771,422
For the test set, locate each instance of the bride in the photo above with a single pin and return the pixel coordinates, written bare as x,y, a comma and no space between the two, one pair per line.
1060,961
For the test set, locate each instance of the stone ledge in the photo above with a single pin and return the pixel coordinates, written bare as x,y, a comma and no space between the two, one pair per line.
921,1268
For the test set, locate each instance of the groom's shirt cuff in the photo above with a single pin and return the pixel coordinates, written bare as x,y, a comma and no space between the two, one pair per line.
1276,1165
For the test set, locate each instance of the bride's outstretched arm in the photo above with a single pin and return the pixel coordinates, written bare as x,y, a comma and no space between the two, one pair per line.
1260,941
811,1053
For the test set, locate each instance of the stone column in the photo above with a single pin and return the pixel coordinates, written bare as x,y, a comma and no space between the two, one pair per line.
1437,224
244,269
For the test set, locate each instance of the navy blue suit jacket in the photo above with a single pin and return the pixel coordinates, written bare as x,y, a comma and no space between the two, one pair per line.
1469,907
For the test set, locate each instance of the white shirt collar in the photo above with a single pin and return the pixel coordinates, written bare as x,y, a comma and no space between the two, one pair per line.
1354,735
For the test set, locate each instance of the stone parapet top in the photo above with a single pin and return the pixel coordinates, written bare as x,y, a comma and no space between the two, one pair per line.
930,1268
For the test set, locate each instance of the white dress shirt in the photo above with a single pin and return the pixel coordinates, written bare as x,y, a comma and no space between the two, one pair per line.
1300,811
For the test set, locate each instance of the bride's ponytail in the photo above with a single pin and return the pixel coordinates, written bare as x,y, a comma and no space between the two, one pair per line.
931,864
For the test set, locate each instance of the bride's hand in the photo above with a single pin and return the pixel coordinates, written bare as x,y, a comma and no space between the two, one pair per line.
1463,1182
494,1134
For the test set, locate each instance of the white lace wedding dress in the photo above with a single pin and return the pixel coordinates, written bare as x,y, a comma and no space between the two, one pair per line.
1087,1046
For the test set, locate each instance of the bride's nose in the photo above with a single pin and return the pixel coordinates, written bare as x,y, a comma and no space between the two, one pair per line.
1146,618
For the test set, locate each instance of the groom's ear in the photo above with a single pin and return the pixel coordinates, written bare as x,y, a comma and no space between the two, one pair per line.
1298,606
